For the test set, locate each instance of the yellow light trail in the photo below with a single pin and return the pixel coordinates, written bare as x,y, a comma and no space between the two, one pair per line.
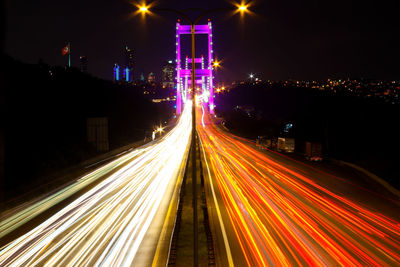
106,225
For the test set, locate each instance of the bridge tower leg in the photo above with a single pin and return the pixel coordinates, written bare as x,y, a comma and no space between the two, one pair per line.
210,67
178,71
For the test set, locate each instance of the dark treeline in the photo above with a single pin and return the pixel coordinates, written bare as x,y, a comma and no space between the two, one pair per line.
46,112
359,130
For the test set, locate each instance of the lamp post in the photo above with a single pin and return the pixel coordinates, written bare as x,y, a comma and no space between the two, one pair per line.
145,9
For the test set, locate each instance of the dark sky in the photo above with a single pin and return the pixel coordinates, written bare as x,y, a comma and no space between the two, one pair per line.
303,39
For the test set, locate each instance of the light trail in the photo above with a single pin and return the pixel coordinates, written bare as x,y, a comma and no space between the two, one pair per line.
106,225
224,235
281,216
202,116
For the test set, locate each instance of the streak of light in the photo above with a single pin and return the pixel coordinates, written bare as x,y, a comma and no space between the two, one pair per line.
281,216
32,210
202,116
106,225
224,235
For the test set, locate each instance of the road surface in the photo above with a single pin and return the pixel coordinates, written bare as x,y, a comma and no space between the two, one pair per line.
117,223
266,209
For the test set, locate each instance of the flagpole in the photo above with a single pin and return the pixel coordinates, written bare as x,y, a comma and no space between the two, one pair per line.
69,55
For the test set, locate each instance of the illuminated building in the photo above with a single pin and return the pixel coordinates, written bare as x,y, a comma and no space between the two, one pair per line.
128,71
142,77
167,78
116,73
127,75
151,78
83,63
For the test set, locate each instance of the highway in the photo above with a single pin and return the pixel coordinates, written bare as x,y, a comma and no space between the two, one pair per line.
119,222
269,210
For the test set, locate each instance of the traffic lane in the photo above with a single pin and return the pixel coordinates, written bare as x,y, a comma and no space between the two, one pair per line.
227,249
79,221
341,179
238,248
18,220
324,213
25,217
216,169
345,182
107,224
154,249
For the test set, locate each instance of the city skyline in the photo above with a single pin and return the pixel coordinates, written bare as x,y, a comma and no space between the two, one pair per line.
307,40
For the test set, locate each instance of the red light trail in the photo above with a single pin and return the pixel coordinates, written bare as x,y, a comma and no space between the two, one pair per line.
281,216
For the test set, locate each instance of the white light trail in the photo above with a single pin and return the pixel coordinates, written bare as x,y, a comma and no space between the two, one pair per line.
202,116
106,225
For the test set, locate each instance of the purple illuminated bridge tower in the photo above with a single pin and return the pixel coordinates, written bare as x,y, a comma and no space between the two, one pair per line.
203,74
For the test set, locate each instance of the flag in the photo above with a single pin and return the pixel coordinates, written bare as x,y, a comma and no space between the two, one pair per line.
65,50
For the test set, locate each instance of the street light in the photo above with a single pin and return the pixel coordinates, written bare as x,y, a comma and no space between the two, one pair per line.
216,64
242,8
143,9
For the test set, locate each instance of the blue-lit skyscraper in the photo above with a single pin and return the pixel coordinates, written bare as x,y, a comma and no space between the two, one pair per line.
116,73
127,75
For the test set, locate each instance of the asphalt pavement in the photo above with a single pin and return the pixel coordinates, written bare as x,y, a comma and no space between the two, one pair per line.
269,209
119,222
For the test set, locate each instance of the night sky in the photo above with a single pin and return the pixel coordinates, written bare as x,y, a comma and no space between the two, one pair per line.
283,39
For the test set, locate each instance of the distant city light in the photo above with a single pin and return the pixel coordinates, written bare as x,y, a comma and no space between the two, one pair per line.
160,129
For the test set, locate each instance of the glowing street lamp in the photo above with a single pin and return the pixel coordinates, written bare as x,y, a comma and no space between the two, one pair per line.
242,8
216,64
143,9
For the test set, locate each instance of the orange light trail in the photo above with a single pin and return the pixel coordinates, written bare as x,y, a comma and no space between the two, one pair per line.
281,216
